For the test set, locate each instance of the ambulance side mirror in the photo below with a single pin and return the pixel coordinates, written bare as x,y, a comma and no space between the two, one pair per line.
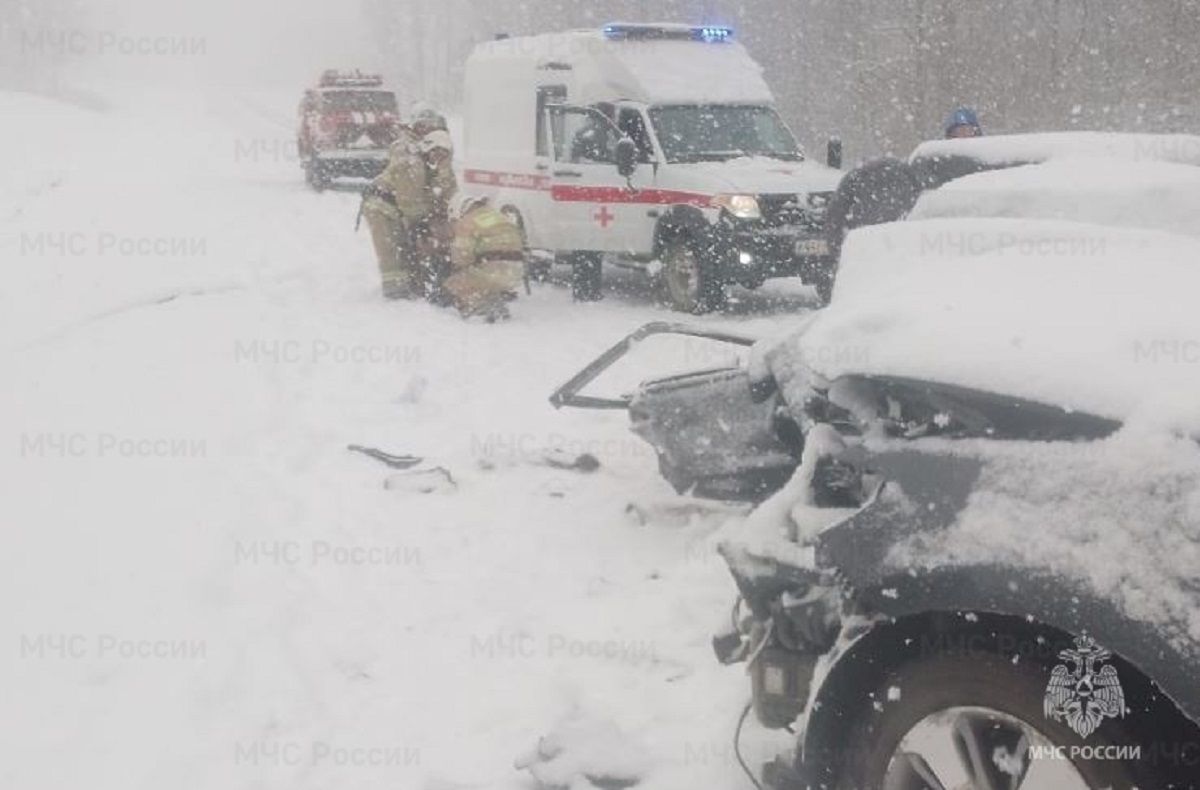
833,153
626,155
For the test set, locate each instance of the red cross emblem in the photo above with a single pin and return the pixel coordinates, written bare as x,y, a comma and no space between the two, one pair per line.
604,217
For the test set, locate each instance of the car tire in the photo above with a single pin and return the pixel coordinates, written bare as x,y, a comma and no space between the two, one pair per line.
538,269
823,283
586,276
690,282
316,176
872,756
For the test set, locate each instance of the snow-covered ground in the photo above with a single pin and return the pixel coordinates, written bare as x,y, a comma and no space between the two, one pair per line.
205,589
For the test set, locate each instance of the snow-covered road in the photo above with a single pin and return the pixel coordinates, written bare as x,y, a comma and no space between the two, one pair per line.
205,589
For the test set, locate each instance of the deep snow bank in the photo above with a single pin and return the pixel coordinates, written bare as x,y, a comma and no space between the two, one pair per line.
211,592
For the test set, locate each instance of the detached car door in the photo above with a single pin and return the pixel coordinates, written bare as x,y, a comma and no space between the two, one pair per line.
716,433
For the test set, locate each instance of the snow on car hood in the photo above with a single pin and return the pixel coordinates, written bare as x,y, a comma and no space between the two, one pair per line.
1122,516
760,175
1006,149
1152,195
1080,316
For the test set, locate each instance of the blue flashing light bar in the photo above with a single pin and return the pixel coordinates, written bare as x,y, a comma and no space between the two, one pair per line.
714,35
708,34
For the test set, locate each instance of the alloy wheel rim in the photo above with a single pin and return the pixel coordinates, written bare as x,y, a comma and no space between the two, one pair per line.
683,281
978,749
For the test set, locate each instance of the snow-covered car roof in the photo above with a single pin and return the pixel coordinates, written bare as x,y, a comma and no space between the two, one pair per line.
1046,146
1114,192
1082,316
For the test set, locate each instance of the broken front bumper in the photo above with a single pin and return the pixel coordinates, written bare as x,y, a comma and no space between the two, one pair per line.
795,618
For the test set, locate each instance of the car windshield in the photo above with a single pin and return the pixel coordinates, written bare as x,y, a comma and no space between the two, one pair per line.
360,101
703,133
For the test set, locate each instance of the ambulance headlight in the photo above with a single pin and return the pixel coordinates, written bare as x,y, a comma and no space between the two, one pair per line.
740,206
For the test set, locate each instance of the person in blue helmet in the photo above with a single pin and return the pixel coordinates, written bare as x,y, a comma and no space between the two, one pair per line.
963,122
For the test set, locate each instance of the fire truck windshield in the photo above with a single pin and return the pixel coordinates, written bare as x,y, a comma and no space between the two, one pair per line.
360,101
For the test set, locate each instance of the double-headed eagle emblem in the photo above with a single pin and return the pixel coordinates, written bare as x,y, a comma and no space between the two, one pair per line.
1084,691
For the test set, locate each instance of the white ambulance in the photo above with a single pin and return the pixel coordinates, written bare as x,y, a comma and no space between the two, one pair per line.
653,146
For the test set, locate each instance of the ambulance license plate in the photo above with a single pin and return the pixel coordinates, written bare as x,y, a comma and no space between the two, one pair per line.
812,247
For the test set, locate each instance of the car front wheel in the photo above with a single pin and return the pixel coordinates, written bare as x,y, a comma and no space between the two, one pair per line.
973,721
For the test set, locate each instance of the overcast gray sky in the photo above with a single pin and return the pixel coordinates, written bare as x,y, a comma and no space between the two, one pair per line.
248,42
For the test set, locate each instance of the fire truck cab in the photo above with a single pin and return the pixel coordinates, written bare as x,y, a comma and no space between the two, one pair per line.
652,146
347,123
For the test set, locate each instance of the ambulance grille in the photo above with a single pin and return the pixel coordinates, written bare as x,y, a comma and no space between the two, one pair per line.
795,210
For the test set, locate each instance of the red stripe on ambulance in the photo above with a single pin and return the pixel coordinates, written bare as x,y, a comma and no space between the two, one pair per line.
508,180
571,193
568,193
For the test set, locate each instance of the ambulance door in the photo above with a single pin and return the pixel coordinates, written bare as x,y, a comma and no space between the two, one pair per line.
535,194
642,215
593,204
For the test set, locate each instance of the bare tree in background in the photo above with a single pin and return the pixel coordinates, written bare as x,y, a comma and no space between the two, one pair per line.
37,37
882,74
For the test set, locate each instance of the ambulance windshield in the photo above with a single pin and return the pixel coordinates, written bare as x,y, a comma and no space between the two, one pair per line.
717,132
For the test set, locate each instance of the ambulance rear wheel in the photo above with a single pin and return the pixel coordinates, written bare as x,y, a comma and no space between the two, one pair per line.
689,282
585,276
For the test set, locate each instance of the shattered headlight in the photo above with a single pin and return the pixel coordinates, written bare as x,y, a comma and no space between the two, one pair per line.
740,206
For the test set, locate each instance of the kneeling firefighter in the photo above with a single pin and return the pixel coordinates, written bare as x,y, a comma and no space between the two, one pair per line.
407,209
487,261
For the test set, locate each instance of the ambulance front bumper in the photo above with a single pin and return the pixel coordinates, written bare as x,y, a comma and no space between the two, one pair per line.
750,255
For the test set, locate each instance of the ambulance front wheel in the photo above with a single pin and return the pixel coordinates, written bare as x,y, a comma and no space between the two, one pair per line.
585,276
692,284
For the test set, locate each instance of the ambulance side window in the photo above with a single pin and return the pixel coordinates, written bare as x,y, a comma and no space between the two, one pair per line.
584,136
573,135
633,125
546,95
